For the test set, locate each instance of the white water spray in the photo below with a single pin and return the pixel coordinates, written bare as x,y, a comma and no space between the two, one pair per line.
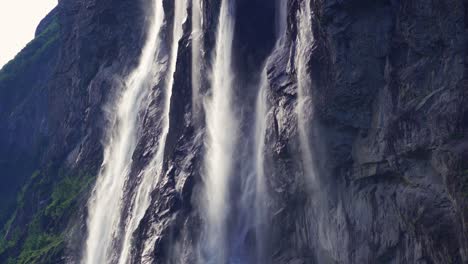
262,109
197,38
152,173
304,108
104,208
261,196
281,17
221,132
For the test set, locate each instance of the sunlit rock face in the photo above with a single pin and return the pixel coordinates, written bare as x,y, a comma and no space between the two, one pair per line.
288,131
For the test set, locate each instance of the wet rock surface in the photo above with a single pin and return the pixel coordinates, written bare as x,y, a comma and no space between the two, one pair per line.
389,127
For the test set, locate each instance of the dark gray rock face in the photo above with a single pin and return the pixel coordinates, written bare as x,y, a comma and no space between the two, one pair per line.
389,106
23,112
389,130
390,101
396,93
52,97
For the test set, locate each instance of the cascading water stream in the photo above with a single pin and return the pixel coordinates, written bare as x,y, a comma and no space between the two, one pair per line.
221,138
104,208
261,196
222,128
148,180
197,35
262,109
305,40
155,167
221,132
281,17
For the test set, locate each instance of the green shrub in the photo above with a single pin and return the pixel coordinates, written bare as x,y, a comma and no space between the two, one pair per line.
42,240
10,243
65,195
39,244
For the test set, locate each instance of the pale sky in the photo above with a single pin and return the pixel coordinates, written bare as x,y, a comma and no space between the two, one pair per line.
18,22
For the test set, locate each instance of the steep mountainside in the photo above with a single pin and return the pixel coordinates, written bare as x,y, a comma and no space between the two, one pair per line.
288,131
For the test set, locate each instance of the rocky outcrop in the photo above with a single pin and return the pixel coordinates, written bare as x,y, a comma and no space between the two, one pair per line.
389,103
389,128
389,107
397,93
23,104
51,109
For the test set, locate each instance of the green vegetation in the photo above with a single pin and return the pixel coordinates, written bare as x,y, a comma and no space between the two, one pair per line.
14,235
65,194
39,248
39,245
42,240
21,195
32,52
35,231
6,244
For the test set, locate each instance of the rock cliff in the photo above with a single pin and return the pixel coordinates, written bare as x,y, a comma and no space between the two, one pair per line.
388,130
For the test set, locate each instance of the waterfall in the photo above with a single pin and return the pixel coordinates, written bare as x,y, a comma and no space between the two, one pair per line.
221,132
305,38
262,109
155,167
229,240
104,206
260,186
281,17
197,35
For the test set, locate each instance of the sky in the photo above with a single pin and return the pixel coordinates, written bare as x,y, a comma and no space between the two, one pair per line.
18,22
